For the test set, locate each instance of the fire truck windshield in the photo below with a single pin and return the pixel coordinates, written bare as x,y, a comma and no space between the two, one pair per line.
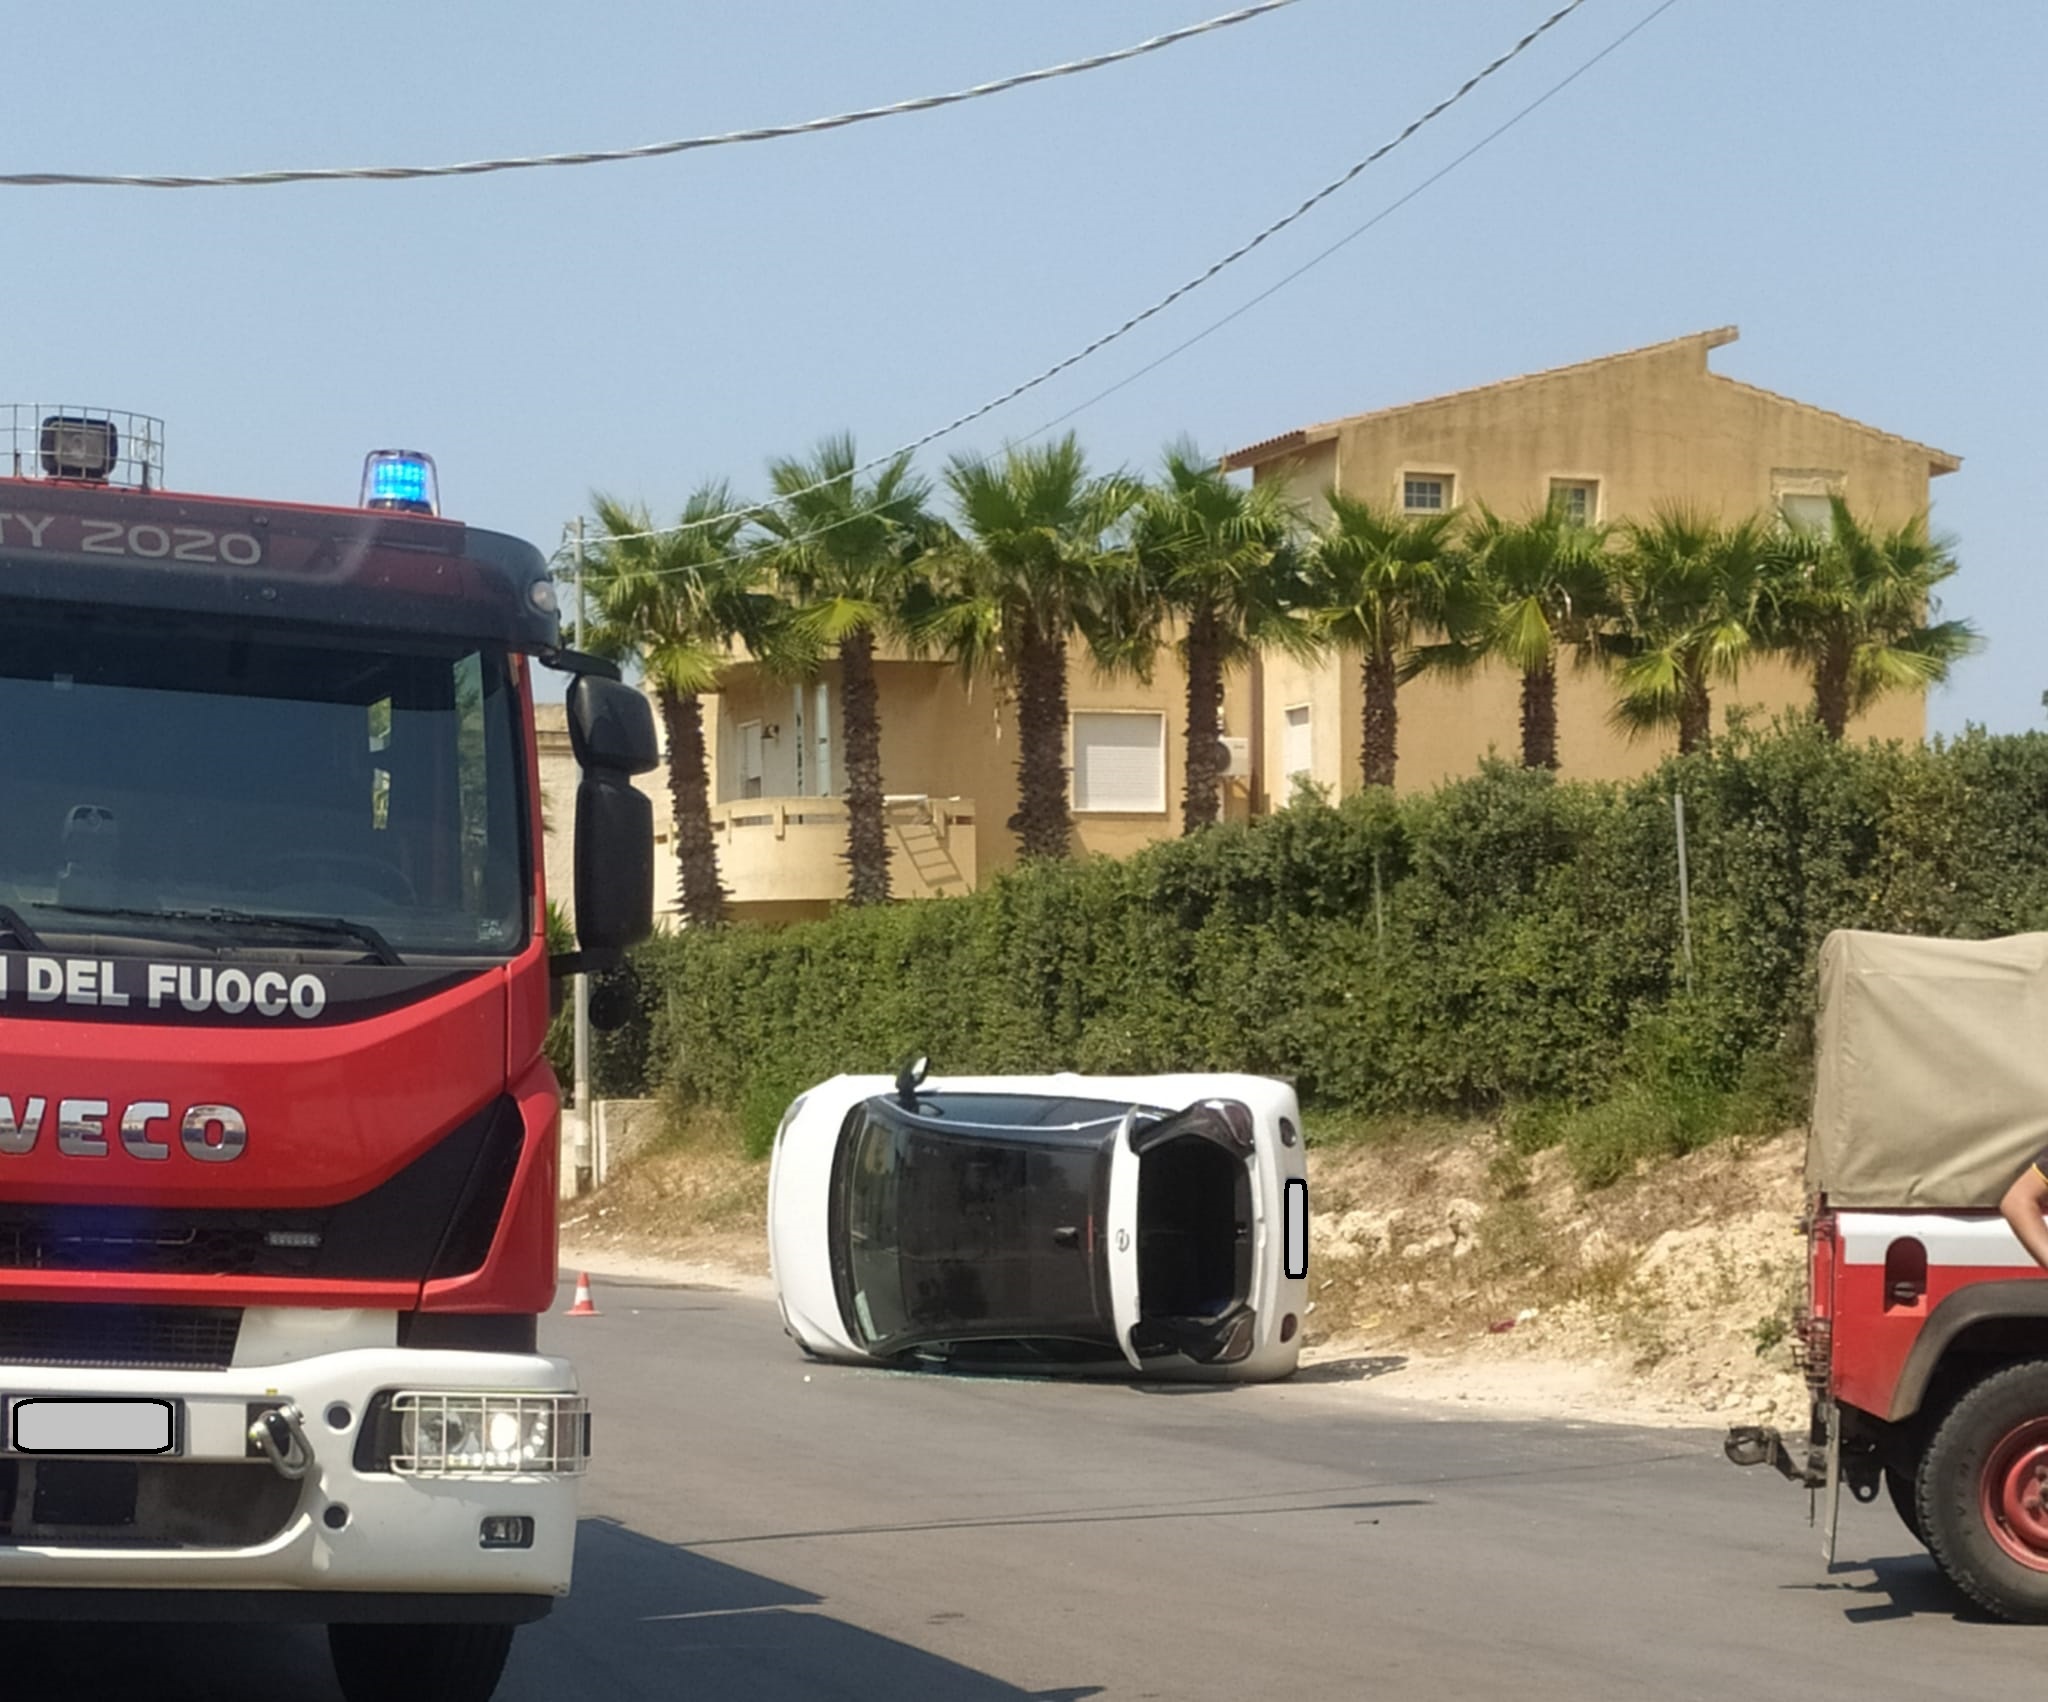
152,774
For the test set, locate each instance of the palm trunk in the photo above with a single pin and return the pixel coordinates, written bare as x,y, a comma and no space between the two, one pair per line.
1539,717
1695,717
867,839
1831,689
1202,795
1380,731
1041,823
689,792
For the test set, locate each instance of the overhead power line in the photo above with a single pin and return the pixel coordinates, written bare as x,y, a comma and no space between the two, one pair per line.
1357,231
1131,324
651,150
1392,207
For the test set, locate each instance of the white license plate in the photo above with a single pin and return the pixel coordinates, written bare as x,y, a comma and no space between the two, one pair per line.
43,1424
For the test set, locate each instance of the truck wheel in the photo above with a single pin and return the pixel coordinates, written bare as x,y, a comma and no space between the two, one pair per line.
419,1663
1984,1493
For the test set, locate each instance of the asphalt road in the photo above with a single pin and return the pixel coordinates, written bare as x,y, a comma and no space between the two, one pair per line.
863,1536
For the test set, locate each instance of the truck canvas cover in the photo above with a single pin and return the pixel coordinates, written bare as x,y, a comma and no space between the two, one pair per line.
1930,1069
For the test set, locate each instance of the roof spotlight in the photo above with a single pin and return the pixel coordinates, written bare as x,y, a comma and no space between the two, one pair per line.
75,447
401,479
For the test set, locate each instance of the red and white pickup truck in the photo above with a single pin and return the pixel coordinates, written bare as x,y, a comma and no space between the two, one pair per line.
1925,1336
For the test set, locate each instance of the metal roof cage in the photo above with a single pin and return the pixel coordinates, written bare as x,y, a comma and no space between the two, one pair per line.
96,446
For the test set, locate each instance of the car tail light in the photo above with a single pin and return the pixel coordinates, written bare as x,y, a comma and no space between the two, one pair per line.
1238,1119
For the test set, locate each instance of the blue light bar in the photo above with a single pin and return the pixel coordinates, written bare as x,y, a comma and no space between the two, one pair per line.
401,479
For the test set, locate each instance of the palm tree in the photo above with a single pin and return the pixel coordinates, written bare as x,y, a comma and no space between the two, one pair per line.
1537,588
1375,579
672,604
1694,598
1853,606
843,551
1221,559
1032,567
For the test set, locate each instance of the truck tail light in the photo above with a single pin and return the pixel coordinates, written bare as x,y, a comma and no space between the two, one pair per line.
1815,1335
1814,1351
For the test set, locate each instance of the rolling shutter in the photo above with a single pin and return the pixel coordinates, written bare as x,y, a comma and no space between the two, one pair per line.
1120,762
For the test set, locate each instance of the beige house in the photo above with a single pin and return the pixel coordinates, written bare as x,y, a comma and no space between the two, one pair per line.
1611,438
949,754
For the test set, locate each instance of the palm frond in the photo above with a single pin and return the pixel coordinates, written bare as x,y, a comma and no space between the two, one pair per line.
1852,588
833,620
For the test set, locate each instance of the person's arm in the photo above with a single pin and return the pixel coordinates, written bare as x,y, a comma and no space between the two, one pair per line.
2024,1203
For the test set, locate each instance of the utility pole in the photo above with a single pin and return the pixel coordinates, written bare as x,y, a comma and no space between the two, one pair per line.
1684,891
582,990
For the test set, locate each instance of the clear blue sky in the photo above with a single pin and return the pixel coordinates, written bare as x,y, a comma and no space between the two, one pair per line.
1856,183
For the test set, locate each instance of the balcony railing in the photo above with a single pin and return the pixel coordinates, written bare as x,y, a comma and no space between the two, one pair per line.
792,850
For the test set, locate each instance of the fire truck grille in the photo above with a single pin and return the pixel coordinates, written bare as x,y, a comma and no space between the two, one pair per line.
67,1333
214,1243
436,1217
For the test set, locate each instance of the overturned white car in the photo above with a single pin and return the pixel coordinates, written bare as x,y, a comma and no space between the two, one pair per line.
1086,1224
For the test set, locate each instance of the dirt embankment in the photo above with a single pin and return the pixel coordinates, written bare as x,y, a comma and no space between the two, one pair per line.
693,1199
1443,1267
1667,1298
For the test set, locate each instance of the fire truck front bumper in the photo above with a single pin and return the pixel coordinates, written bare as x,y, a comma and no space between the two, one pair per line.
369,1483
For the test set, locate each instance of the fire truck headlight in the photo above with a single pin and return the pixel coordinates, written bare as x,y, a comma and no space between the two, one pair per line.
464,1433
401,479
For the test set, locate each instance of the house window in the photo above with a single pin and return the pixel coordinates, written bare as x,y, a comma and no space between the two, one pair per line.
1805,513
1425,493
753,765
1577,499
1120,762
1801,496
822,722
1297,749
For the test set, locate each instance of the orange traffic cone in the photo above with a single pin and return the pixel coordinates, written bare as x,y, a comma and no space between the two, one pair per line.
581,1307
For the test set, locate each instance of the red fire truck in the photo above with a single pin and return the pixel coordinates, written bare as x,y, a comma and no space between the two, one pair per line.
277,1137
1925,1334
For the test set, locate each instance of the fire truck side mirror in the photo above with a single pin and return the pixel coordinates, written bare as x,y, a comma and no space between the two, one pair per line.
614,864
611,726
611,729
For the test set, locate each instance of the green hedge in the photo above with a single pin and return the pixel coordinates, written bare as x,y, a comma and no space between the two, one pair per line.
1506,938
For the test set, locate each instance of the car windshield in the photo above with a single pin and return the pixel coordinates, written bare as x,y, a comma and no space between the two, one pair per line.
973,1220
169,782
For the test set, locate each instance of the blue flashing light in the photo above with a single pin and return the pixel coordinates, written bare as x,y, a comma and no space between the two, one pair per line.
399,482
402,480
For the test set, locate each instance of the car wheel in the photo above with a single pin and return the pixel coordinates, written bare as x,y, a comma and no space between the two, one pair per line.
419,1663
1984,1493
